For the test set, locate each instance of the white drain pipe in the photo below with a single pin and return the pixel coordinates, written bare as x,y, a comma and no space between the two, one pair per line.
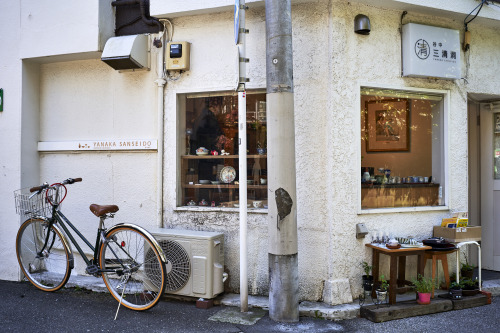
160,81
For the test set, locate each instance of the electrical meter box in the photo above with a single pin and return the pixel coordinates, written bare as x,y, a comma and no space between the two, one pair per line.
177,56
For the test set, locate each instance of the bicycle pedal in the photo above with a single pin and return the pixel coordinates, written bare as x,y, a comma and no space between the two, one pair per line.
92,269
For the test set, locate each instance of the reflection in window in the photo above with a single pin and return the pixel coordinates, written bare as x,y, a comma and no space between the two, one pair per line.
209,152
402,161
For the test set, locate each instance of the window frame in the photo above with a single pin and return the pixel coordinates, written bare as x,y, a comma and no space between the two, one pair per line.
445,135
181,98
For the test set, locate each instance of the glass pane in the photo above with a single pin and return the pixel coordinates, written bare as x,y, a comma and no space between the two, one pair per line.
496,145
401,149
209,167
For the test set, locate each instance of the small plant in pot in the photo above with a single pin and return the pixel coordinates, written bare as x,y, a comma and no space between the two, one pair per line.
381,291
367,278
423,286
455,291
466,270
469,287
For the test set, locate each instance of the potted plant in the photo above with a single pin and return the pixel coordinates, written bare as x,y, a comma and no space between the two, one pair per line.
466,270
367,278
455,291
469,287
381,291
423,287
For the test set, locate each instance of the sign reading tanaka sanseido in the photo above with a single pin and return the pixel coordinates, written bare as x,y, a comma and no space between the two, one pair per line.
431,52
89,145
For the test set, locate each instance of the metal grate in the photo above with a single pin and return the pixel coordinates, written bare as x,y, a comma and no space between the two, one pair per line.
178,265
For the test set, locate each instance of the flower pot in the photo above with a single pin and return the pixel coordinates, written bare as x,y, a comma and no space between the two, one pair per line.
367,282
381,295
470,292
455,293
424,298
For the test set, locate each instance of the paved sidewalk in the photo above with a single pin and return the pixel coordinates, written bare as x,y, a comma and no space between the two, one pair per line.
27,309
491,283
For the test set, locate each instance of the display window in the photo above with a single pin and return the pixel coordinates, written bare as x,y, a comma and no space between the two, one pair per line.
402,149
209,156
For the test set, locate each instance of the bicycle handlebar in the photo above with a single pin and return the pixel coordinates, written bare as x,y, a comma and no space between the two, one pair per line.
46,185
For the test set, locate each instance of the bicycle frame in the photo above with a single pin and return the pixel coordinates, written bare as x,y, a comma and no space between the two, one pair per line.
58,218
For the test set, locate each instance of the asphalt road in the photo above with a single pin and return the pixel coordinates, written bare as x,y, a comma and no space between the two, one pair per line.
23,308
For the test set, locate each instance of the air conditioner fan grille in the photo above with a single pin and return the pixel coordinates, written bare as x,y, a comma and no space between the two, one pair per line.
178,265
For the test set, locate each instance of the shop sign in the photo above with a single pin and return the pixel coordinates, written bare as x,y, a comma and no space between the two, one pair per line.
122,145
431,52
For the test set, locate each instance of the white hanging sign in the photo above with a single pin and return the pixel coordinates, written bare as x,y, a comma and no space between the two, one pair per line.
431,52
123,144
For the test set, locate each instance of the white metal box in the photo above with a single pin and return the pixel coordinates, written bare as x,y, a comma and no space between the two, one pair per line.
195,261
431,52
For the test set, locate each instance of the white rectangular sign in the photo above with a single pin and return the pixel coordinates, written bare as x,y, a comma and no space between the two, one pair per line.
431,52
124,145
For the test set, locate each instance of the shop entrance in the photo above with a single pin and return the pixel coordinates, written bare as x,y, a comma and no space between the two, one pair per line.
484,175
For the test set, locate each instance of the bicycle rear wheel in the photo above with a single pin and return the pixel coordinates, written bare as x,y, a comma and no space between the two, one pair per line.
46,267
132,268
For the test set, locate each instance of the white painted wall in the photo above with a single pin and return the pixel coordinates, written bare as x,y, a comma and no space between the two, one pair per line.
10,136
86,99
56,27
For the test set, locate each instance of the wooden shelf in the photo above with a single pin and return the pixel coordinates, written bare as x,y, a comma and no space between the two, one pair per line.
211,157
224,186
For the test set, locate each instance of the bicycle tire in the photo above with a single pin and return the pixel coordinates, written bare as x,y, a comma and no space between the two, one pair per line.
143,281
50,270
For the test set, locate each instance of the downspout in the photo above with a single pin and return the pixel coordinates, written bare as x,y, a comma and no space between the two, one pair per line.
160,81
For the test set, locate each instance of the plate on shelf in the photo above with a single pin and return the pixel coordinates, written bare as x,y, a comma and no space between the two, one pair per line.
227,174
202,153
411,245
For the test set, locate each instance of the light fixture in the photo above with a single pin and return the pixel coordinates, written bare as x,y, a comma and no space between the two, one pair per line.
362,24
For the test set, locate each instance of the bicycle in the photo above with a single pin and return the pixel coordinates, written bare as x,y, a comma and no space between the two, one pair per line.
126,256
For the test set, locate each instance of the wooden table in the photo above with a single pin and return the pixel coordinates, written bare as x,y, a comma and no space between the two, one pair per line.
443,256
397,279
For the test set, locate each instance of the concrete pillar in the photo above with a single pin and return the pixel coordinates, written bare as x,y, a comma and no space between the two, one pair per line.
282,216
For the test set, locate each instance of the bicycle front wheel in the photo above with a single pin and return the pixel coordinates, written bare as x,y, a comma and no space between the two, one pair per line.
43,256
132,268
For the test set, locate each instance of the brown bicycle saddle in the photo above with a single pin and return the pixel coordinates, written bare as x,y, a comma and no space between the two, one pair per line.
100,210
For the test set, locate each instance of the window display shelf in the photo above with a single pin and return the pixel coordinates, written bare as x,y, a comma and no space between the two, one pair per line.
209,157
224,186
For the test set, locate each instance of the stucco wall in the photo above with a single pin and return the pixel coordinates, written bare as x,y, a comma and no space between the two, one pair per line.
330,64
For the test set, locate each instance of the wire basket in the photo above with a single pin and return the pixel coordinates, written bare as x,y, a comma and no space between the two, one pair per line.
32,204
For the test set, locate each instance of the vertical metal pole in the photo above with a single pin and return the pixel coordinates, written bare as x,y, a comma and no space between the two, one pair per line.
242,157
282,214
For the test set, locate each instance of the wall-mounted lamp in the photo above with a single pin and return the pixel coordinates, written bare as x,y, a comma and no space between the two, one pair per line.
362,24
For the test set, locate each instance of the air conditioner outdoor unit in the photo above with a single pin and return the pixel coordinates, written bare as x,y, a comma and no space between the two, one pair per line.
195,261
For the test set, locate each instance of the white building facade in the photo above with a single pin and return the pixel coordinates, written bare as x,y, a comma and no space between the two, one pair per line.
59,98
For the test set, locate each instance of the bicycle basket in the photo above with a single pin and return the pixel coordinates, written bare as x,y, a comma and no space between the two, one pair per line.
32,204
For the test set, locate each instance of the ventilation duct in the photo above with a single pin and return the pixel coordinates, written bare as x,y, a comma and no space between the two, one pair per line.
126,52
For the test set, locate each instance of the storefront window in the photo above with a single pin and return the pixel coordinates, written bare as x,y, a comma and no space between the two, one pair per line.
209,156
496,144
402,145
